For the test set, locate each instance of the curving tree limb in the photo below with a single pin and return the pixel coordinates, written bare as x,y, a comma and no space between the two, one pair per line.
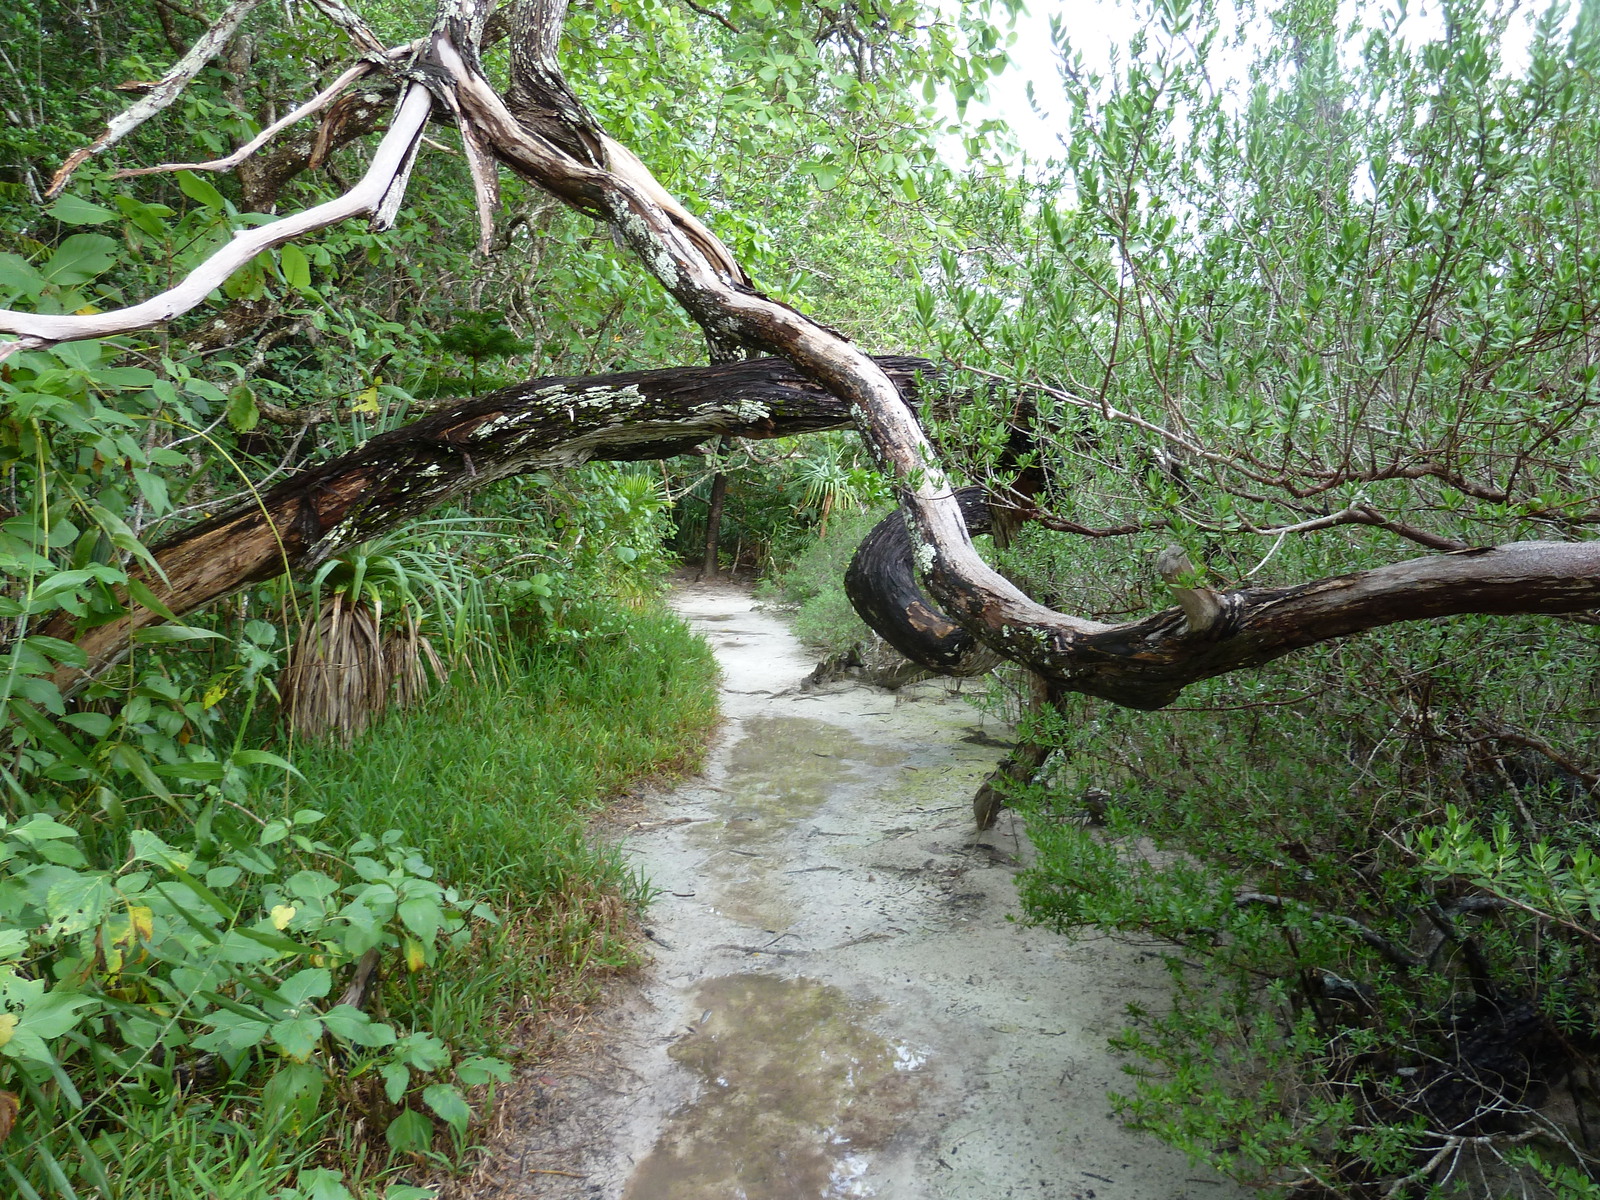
542,132
542,423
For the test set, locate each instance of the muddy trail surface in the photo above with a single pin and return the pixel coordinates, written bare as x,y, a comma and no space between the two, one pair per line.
838,1004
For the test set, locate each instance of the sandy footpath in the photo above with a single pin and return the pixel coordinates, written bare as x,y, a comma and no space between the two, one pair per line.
839,1006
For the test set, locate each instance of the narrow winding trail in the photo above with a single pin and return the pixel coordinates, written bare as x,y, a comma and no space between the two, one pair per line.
838,1005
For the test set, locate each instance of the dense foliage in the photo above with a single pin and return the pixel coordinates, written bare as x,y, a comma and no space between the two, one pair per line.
1296,324
1300,324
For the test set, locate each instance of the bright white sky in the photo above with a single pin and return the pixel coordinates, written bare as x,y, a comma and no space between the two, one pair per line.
1095,27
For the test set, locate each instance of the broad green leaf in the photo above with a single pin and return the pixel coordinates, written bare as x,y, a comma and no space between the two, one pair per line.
422,916
296,267
77,903
396,1079
54,1013
232,1032
241,410
409,1133
200,190
446,1100
166,635
475,1071
144,846
311,983
297,1037
75,210
265,758
96,725
143,596
294,1092
39,828
17,276
322,1184
79,259
64,652
350,1023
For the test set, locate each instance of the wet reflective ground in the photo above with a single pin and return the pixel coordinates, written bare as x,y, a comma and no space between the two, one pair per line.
838,1004
796,1092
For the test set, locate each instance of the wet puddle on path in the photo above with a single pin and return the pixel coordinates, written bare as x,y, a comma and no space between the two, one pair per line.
795,1092
781,771
837,1006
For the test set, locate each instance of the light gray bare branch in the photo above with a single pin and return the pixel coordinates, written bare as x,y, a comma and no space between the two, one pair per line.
377,188
169,87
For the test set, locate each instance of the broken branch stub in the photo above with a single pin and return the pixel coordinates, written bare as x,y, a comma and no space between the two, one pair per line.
1202,608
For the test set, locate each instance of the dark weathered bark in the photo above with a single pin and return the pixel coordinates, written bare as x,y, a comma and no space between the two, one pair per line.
1147,663
882,587
542,423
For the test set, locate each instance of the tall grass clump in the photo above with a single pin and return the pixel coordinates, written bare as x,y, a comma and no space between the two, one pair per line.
495,781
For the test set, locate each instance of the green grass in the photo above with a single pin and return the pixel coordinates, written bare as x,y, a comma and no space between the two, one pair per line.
813,584
493,780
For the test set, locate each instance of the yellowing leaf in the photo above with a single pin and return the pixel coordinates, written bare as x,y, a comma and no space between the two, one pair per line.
213,696
282,914
8,1023
367,401
141,922
415,957
88,310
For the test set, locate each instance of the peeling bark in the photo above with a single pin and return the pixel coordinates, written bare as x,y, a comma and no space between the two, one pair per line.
540,131
551,422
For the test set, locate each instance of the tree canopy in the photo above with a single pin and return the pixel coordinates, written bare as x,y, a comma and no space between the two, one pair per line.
1256,364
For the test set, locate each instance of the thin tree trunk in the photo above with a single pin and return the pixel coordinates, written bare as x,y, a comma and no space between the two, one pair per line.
719,493
1018,767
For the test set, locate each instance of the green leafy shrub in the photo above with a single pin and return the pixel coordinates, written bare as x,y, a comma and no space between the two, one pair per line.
177,968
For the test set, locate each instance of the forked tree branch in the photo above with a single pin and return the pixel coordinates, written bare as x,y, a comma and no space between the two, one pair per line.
390,162
167,89
314,105
549,139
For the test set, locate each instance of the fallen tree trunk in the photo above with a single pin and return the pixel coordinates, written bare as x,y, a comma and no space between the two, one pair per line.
552,422
1147,663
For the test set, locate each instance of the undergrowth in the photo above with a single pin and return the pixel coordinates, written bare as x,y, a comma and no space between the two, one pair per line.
205,1034
495,781
812,584
1382,897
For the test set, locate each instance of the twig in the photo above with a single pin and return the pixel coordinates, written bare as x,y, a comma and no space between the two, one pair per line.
170,86
715,16
316,104
1390,950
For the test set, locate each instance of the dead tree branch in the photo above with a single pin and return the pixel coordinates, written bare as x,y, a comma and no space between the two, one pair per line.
167,89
